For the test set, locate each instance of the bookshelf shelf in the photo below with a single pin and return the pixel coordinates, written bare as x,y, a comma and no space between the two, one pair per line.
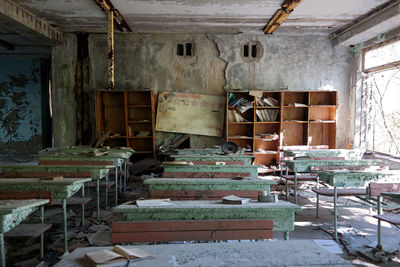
302,118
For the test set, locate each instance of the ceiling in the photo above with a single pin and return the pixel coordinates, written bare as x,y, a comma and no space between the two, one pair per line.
200,16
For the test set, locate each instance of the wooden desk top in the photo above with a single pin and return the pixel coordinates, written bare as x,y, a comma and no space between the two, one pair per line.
61,189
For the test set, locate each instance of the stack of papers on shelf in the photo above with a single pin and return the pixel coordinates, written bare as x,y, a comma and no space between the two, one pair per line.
267,102
117,256
269,137
234,116
267,115
232,199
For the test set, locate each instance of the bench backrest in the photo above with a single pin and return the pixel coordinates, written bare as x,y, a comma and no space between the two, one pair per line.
375,189
27,195
202,230
41,173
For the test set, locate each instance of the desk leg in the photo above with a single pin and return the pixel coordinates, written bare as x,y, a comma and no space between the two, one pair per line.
83,208
335,212
116,186
98,198
126,175
42,235
107,191
120,179
295,188
286,235
64,207
379,246
287,186
2,251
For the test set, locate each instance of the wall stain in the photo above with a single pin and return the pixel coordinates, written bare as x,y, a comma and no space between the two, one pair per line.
20,106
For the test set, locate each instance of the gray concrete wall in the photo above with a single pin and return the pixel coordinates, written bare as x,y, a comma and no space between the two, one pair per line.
298,62
63,96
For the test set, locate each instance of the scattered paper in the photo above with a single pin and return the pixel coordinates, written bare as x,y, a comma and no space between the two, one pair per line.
232,199
154,202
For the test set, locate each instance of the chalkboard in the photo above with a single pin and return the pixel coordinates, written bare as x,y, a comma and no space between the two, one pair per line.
190,113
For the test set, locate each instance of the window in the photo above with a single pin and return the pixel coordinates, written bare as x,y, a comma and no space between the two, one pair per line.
252,51
380,95
185,49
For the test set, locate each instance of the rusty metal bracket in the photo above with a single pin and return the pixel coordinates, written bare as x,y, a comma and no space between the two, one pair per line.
281,15
119,20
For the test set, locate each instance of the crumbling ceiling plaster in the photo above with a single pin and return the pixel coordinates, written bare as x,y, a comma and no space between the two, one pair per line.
200,16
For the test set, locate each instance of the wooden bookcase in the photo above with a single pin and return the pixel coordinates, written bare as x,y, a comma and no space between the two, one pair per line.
130,116
312,121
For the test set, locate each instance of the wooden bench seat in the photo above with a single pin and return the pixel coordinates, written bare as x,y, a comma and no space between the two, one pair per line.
346,192
378,189
186,230
103,185
202,194
73,201
301,178
390,218
28,230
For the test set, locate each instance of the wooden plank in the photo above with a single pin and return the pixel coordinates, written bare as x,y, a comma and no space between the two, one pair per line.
27,195
74,162
375,189
214,162
301,177
202,194
390,218
150,226
28,230
74,201
160,236
179,112
205,174
40,174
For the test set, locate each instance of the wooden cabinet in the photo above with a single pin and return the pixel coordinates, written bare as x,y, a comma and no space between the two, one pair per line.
130,117
290,118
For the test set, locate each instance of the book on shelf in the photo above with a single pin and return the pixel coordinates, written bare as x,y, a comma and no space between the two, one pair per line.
117,256
232,199
267,115
234,116
297,105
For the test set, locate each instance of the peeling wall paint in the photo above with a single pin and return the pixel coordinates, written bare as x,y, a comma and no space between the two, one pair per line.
298,62
20,103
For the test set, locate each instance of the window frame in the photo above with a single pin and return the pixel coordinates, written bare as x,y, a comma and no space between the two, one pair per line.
387,66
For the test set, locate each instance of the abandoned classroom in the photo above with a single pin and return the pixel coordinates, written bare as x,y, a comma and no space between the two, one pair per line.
199,133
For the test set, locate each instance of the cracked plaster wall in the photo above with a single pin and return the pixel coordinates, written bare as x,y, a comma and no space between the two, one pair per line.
298,62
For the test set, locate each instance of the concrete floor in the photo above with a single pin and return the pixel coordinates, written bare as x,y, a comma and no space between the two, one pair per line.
356,226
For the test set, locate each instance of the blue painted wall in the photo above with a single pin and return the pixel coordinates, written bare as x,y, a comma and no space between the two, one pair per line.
20,101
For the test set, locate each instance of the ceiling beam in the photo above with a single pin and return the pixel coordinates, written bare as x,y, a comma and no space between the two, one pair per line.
119,20
383,19
281,15
7,45
22,19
